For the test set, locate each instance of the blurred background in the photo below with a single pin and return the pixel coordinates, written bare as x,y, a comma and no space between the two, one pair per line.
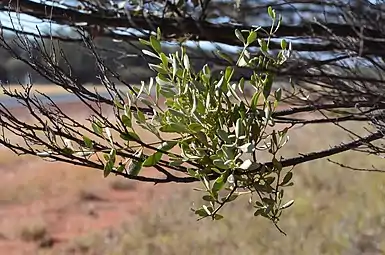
56,208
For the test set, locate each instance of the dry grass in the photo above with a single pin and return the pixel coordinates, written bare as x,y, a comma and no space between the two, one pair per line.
337,211
33,232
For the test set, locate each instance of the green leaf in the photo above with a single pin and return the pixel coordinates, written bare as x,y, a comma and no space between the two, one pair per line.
134,167
191,172
229,73
267,85
207,209
130,136
263,45
201,212
118,103
158,68
271,12
208,198
149,53
153,159
155,44
167,93
220,164
144,42
164,59
107,169
67,151
194,105
283,44
97,128
218,216
88,142
176,162
238,128
126,121
218,86
202,138
267,111
287,178
157,90
259,212
176,113
140,116
186,62
174,127
231,198
195,127
162,80
277,164
241,84
158,33
226,57
174,67
111,158
218,184
224,136
168,145
252,37
239,35
242,61
121,168
278,94
206,70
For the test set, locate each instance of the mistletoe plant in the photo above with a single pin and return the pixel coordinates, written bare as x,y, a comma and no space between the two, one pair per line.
218,129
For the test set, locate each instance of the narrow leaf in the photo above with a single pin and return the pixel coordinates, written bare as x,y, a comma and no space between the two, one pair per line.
88,142
252,37
239,35
155,44
287,205
153,159
149,53
168,145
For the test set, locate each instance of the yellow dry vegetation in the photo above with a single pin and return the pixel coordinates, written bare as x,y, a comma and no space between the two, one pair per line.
336,211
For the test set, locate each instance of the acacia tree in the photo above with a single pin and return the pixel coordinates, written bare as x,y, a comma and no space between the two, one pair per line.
206,127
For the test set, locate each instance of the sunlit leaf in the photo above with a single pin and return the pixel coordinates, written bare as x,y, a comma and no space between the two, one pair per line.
252,37
149,53
186,62
287,205
88,142
153,159
155,44
168,145
130,136
97,128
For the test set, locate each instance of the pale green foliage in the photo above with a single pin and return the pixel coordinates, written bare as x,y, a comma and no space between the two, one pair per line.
220,130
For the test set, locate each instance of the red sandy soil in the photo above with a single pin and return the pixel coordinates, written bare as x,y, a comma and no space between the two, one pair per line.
65,200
